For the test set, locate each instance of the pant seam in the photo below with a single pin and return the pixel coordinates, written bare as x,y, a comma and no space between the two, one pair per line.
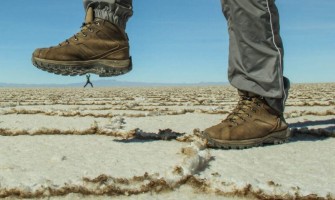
280,55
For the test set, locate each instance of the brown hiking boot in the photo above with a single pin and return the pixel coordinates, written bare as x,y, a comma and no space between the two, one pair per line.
100,48
252,123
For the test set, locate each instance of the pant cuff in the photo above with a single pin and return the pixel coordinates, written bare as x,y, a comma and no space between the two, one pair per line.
117,12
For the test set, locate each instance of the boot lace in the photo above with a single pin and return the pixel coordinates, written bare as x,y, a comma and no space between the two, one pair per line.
86,28
244,109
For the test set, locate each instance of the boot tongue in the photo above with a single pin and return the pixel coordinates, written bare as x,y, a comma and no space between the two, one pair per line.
89,18
89,15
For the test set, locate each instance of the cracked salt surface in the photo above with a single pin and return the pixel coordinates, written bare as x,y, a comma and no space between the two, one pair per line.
148,169
62,159
308,165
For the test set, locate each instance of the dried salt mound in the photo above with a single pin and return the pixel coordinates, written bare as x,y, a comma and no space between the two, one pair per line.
101,113
294,114
117,123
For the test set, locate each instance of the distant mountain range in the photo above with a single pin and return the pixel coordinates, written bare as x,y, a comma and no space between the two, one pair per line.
111,83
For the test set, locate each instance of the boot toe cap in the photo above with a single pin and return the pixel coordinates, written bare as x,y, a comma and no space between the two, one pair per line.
36,53
220,132
40,53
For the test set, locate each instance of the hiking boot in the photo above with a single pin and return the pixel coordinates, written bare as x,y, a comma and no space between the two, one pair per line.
101,48
252,123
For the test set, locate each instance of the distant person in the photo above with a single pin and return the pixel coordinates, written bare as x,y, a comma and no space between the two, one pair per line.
88,81
255,64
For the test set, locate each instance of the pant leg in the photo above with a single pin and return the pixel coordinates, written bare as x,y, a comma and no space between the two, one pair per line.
256,49
115,11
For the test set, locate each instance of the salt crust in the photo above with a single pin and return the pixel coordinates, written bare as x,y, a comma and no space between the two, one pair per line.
136,143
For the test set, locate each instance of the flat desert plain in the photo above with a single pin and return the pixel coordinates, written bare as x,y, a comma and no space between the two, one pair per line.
143,143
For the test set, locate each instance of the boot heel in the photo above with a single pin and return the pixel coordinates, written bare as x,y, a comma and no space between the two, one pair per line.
107,68
279,137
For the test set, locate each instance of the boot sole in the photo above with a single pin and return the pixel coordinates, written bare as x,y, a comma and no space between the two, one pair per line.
103,68
279,137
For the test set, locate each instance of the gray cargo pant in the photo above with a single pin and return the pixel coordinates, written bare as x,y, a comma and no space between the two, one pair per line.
255,46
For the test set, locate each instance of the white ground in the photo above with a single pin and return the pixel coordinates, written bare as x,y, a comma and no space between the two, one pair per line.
70,144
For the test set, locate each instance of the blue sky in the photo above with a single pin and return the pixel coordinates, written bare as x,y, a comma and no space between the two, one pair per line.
172,41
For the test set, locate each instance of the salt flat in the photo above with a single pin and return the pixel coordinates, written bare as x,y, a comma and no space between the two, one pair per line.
96,143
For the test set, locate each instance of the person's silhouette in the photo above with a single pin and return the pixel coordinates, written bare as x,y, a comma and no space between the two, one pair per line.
88,81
